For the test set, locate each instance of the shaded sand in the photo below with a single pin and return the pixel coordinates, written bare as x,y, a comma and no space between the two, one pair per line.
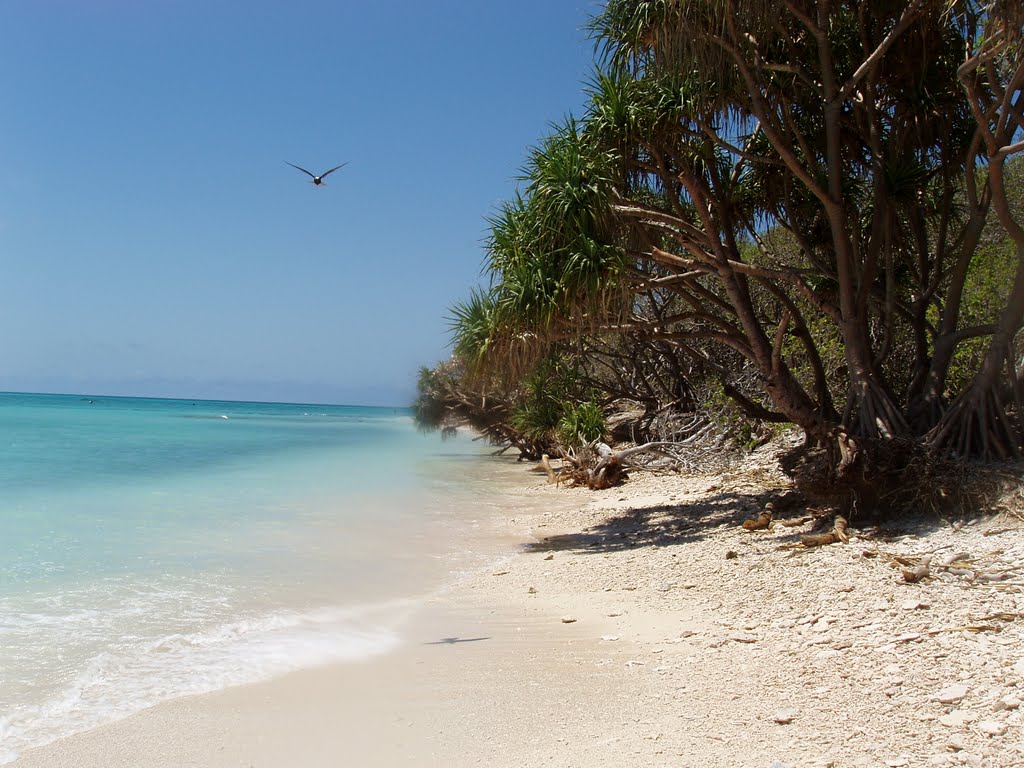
641,626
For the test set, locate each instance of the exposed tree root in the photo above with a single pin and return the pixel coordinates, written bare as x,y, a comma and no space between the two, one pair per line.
867,480
545,466
597,466
837,534
967,628
794,522
763,520
609,471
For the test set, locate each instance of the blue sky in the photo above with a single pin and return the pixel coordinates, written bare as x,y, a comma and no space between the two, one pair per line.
152,240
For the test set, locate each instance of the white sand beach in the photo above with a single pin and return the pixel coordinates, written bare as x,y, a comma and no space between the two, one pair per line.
642,626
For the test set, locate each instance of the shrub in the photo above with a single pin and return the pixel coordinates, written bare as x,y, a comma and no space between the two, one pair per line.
582,424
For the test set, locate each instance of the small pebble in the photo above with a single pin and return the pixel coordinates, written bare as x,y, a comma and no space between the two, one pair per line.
786,716
742,637
951,694
1008,702
957,719
992,728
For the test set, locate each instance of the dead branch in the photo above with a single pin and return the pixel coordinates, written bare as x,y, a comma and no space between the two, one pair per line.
597,466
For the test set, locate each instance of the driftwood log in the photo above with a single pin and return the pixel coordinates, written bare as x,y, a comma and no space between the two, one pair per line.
597,466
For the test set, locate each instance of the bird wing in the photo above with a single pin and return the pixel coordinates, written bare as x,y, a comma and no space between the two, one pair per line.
334,168
300,169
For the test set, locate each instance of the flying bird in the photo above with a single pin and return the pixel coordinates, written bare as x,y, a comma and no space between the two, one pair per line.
318,180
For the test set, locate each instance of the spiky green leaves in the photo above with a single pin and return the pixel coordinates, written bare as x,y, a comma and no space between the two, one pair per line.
582,425
555,403
475,325
553,256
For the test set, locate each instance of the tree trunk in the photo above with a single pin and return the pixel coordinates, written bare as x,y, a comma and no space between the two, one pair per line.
926,410
978,423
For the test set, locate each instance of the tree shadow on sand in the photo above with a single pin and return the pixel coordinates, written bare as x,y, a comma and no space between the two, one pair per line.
663,525
942,495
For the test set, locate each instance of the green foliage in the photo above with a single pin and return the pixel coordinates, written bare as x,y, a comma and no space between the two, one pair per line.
474,323
554,405
581,425
541,406
573,257
715,204
552,254
431,410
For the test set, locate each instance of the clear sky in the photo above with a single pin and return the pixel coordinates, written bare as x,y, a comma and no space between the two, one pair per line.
154,242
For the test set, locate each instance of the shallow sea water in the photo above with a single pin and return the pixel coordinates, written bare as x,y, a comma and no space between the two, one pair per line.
152,549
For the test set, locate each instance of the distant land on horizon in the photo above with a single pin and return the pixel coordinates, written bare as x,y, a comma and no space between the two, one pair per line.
400,395
109,396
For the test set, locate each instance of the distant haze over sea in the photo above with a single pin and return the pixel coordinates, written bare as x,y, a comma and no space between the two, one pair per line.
398,395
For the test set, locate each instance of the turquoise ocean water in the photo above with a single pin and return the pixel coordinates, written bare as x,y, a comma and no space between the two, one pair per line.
151,549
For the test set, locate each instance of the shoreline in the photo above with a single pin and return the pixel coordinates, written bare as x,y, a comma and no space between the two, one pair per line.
642,626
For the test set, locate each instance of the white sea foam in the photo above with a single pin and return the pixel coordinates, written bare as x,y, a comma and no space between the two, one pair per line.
133,675
151,552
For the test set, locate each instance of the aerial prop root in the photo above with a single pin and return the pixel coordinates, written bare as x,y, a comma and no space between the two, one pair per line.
978,427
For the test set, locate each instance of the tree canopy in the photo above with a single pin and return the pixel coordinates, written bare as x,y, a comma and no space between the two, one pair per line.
812,203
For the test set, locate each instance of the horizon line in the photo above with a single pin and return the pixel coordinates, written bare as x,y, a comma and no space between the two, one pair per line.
203,399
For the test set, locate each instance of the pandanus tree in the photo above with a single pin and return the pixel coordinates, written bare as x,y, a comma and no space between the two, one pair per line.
794,190
554,267
992,76
874,134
